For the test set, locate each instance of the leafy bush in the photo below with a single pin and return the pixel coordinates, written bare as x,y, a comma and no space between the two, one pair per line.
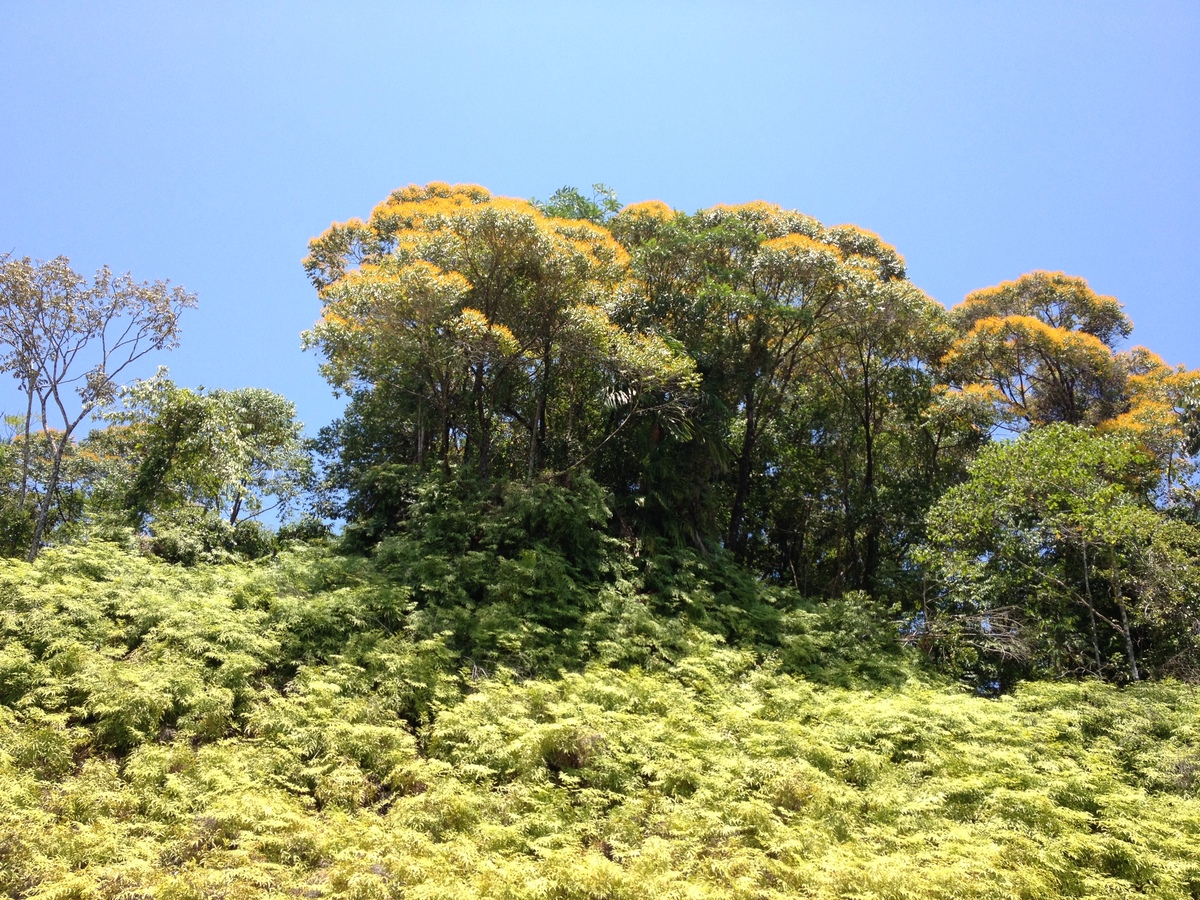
191,535
512,573
848,640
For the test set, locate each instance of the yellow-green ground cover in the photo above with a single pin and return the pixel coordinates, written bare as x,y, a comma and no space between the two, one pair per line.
266,731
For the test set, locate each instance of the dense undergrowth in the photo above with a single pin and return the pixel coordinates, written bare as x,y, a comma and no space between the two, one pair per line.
314,724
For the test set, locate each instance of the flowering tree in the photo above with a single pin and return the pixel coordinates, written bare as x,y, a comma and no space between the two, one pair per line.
1043,347
491,323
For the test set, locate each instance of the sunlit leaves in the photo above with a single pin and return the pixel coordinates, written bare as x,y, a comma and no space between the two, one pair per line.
1058,300
1045,344
717,777
1162,413
492,319
228,452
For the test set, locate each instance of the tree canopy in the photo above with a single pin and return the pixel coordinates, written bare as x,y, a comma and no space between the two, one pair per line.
65,336
742,409
668,544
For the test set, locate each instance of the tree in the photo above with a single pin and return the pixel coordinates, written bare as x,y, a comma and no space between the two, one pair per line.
1043,346
84,466
64,335
1163,415
1055,555
490,326
756,294
226,451
569,203
874,362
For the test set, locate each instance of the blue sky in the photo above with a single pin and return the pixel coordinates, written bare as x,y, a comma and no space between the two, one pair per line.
206,143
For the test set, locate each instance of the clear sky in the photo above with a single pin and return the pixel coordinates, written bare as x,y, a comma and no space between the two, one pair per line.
205,143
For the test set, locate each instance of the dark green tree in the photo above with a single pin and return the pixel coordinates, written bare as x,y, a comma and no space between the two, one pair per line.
1052,559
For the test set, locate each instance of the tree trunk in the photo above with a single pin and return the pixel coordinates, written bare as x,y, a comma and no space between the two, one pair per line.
870,562
1125,633
420,432
1087,589
1125,630
734,539
444,426
483,439
35,545
534,446
537,423
27,449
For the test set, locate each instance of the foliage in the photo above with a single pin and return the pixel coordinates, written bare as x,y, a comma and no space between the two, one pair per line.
653,524
82,467
1043,346
488,327
569,203
1054,555
52,323
1163,402
225,452
511,573
191,535
275,729
814,352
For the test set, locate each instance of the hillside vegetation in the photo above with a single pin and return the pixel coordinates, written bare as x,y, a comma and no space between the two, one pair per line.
285,729
656,555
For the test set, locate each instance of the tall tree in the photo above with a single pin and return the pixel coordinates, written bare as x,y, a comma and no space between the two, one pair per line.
66,336
754,292
494,323
875,363
1043,345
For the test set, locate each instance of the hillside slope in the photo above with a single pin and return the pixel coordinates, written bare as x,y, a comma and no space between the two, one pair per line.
280,729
